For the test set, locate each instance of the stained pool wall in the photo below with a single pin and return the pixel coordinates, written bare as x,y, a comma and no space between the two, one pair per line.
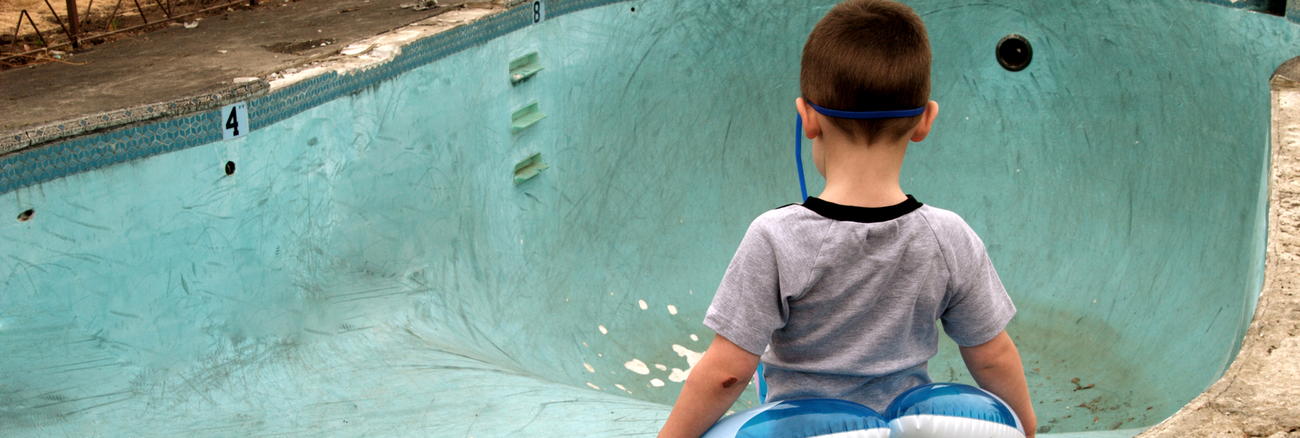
371,268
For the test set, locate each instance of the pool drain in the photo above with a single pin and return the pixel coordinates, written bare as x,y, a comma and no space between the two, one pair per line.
230,168
26,215
1014,52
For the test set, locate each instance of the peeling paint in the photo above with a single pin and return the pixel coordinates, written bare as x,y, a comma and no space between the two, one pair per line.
375,51
692,358
643,304
672,309
693,338
661,367
603,331
637,366
656,382
592,385
589,368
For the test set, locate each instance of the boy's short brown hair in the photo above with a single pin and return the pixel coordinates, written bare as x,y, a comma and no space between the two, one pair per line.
868,55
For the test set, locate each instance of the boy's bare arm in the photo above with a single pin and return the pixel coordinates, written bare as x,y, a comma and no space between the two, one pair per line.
996,367
713,386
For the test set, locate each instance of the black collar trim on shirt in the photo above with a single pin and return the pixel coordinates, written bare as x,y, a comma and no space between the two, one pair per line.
865,215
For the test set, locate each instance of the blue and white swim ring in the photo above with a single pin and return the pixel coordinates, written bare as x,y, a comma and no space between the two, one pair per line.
951,410
808,418
938,410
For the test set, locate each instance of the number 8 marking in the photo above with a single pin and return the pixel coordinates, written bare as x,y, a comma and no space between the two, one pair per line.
537,11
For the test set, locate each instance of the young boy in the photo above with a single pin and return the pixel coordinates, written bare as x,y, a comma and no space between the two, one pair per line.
839,296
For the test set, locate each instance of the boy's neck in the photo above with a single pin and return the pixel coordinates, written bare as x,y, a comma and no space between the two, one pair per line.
863,175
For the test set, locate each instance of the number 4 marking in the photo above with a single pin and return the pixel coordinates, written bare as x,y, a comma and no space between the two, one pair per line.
234,120
539,11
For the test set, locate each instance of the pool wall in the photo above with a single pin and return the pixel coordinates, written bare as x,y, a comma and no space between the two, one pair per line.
1118,182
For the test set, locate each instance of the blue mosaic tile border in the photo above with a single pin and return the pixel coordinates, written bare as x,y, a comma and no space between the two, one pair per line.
57,160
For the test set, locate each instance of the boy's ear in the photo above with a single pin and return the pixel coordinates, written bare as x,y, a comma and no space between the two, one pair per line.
927,121
812,128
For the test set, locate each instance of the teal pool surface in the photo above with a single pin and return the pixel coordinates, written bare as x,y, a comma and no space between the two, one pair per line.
372,268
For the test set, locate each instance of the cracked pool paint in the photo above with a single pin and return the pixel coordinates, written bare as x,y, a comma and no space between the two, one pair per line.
678,374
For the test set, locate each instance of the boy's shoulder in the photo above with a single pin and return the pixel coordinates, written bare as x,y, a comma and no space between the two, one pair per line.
952,232
944,220
783,218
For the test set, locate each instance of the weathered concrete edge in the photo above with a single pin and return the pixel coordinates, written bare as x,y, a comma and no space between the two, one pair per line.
25,138
1257,396
380,49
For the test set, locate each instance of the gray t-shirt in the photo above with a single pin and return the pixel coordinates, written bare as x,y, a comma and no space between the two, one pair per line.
847,297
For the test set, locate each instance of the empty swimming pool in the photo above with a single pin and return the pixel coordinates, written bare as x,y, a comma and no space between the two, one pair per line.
436,246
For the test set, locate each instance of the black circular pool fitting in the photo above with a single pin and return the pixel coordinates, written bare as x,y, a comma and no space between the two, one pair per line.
230,168
1014,52
26,215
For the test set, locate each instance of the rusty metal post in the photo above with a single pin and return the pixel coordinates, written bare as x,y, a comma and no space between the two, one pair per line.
73,23
60,21
22,14
166,11
113,16
89,5
141,11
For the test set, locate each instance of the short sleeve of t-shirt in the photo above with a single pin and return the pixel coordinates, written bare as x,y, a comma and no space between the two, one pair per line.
978,307
752,301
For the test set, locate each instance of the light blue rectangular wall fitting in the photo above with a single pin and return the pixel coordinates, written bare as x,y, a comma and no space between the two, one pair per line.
529,167
524,67
525,117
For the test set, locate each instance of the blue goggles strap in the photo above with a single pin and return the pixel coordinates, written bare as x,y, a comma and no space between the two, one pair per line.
868,114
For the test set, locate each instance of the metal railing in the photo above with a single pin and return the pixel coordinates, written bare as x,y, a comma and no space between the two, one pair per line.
73,27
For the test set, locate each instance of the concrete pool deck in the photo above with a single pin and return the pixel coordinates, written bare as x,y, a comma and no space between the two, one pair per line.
178,62
1255,398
